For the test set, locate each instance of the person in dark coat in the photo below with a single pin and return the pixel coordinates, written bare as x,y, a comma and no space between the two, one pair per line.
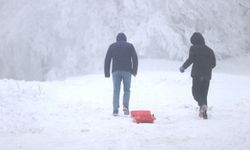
203,59
124,63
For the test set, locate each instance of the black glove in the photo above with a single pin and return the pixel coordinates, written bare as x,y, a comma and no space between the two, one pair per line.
134,73
107,75
182,69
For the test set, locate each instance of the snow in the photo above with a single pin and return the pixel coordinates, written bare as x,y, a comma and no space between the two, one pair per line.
64,43
76,113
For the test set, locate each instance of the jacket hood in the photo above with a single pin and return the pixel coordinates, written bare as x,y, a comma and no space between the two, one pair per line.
121,37
197,39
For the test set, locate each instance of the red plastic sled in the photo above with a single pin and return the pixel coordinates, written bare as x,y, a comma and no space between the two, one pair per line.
142,116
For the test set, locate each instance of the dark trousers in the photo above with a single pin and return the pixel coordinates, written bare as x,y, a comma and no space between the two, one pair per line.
200,90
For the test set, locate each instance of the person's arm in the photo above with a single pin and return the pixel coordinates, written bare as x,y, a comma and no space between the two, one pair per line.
189,61
107,63
213,60
134,61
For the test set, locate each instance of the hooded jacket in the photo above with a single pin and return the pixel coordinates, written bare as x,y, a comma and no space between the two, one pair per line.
201,56
123,56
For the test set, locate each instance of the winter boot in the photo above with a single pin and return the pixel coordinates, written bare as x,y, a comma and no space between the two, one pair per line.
200,112
115,113
126,111
203,112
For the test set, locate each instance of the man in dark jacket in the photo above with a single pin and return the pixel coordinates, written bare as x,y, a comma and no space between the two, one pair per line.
124,63
203,59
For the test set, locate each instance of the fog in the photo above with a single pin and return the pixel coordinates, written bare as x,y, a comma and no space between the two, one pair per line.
46,40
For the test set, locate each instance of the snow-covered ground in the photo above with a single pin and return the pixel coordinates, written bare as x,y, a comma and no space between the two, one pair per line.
76,114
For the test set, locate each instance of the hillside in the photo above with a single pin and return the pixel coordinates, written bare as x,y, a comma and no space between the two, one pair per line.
76,114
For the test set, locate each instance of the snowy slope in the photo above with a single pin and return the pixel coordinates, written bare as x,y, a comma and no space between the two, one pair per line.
75,114
44,39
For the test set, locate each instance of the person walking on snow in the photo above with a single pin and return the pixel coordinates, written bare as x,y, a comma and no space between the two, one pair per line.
124,63
203,59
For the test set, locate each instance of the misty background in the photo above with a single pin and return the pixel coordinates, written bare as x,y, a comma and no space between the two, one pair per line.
46,40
